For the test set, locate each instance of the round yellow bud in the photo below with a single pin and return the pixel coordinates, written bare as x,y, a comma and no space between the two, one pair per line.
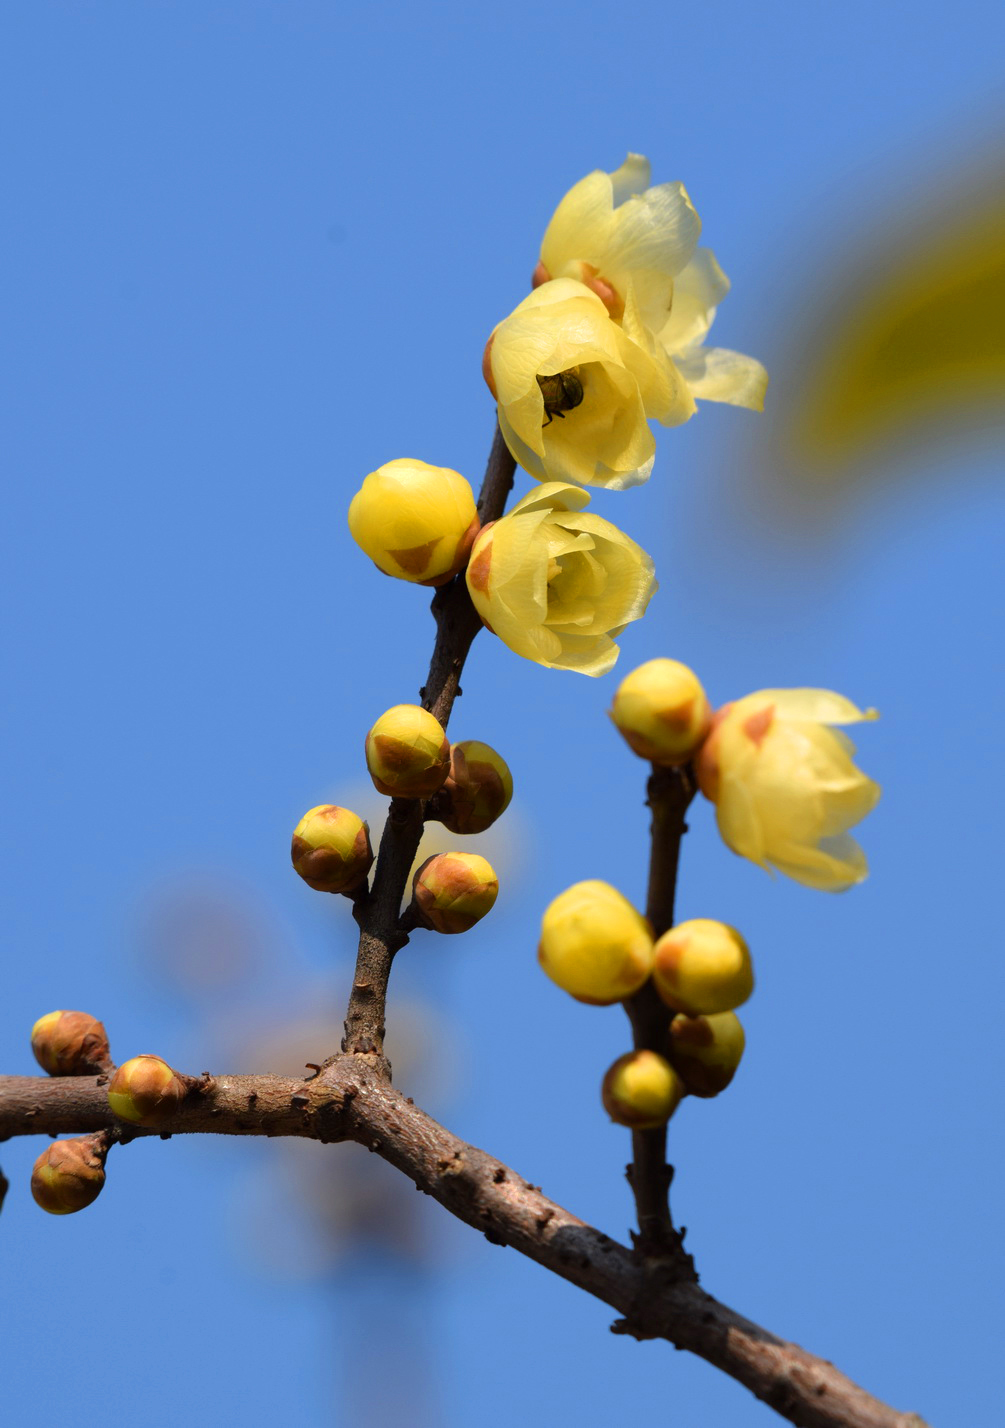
477,790
415,521
146,1091
594,944
662,711
641,1090
407,752
69,1043
703,966
68,1176
453,891
331,849
706,1050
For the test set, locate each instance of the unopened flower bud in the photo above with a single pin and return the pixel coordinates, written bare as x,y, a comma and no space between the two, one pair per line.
641,1090
146,1091
662,711
706,1050
594,944
407,752
478,789
415,521
70,1043
453,891
703,966
68,1175
331,849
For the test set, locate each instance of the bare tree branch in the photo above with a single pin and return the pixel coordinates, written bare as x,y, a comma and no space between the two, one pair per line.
350,1100
380,932
670,792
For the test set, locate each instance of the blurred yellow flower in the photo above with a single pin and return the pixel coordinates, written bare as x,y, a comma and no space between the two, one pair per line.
785,787
557,585
632,244
575,390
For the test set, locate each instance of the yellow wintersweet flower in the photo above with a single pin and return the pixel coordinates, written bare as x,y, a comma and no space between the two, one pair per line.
557,585
629,242
785,787
576,390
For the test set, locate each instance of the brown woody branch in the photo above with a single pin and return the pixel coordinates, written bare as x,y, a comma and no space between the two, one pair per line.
670,792
381,934
350,1100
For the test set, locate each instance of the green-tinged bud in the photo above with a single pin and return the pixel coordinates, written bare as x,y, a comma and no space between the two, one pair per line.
331,849
453,891
415,521
146,1091
478,789
407,752
706,1050
703,966
594,944
70,1043
662,711
68,1175
641,1090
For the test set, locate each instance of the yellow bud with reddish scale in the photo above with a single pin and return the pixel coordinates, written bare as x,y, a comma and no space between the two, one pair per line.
415,521
453,891
662,711
70,1043
477,790
706,1050
407,752
594,945
68,1175
703,966
641,1090
146,1091
331,849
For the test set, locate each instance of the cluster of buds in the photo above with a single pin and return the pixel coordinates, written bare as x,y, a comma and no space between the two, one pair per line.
782,779
144,1091
464,786
597,947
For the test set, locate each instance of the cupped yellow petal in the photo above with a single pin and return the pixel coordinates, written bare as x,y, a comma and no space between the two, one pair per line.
822,706
558,585
697,291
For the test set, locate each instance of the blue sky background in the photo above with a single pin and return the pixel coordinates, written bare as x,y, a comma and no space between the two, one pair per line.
251,251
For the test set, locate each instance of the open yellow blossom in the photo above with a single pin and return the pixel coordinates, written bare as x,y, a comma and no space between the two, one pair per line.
558,585
785,787
634,244
576,389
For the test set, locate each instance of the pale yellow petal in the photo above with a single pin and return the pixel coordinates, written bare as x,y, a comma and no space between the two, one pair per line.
632,177
581,224
821,705
715,374
697,292
835,865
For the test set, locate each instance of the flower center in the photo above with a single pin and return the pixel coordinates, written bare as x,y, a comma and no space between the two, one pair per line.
562,391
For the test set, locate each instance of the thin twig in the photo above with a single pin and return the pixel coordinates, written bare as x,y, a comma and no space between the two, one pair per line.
380,933
670,792
350,1100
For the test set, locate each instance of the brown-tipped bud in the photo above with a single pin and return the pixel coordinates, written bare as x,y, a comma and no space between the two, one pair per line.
146,1091
407,752
69,1174
703,966
331,849
706,1050
70,1043
453,891
641,1090
478,789
662,712
539,275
